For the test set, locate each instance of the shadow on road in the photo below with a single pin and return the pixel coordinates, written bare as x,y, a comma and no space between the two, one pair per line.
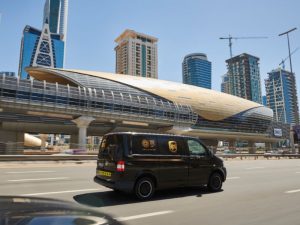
111,198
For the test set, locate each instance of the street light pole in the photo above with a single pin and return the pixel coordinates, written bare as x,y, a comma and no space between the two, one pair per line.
288,39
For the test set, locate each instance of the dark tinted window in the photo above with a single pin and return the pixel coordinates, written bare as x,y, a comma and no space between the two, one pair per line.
111,146
144,144
196,148
171,145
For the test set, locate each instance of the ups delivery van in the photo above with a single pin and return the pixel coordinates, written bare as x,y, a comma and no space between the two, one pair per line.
141,163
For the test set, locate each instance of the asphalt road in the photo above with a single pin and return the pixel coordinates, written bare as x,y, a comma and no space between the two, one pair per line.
257,192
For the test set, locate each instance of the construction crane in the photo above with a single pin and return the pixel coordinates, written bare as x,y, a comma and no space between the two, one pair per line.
283,61
229,38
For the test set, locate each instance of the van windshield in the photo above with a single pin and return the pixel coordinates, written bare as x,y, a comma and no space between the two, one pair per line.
111,147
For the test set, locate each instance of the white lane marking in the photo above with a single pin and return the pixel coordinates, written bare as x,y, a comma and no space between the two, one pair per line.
253,168
292,191
143,215
60,192
40,179
232,178
21,172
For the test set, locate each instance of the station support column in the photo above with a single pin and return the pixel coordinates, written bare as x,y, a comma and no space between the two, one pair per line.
251,147
232,145
82,123
268,146
292,141
43,138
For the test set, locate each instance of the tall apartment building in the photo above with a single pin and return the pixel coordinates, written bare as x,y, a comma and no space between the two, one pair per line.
244,77
196,70
225,84
282,96
136,54
45,47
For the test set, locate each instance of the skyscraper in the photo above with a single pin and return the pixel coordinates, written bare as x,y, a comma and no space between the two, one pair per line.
244,77
282,96
196,70
45,47
136,54
40,48
264,100
64,19
56,12
225,84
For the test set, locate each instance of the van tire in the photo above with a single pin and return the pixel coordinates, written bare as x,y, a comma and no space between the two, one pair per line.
215,182
144,188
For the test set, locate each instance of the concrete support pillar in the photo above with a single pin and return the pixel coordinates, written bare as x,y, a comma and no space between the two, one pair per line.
292,142
268,146
232,145
11,142
73,141
251,147
43,138
82,123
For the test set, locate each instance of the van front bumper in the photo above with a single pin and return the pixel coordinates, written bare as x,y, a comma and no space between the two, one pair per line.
126,186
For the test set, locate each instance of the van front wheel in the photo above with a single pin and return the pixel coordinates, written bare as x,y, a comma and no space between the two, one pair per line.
144,188
215,182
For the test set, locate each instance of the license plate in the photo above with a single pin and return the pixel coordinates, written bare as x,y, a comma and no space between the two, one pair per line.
104,173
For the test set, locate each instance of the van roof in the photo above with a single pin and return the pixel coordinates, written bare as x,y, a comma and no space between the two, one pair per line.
144,133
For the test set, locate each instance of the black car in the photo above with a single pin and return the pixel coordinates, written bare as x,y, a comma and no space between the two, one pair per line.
142,163
20,210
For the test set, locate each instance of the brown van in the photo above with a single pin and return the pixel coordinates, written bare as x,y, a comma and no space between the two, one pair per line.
142,163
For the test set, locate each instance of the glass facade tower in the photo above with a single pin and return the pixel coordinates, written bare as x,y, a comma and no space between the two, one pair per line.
196,70
56,12
36,50
225,84
45,47
282,96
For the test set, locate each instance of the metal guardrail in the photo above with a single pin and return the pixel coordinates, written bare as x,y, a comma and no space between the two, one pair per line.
20,148
9,158
60,157
257,156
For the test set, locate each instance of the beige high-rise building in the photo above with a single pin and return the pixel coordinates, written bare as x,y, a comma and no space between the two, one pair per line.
136,54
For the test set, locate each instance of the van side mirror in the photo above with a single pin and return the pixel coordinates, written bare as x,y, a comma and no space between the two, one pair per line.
210,153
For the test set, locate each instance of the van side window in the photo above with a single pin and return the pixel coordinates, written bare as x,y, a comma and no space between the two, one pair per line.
144,144
111,146
196,148
171,146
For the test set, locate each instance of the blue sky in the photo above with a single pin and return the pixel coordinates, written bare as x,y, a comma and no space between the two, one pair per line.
182,27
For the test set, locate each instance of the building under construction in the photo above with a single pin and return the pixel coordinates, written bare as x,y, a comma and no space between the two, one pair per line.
244,77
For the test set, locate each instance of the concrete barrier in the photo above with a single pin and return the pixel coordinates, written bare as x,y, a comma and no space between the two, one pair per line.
6,158
258,156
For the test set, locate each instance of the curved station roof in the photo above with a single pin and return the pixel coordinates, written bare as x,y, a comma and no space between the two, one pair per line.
209,104
217,113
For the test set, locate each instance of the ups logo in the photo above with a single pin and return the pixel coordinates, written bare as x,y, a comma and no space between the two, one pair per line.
172,146
148,144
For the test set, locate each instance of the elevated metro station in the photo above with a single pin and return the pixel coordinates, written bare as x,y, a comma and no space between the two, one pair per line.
88,103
